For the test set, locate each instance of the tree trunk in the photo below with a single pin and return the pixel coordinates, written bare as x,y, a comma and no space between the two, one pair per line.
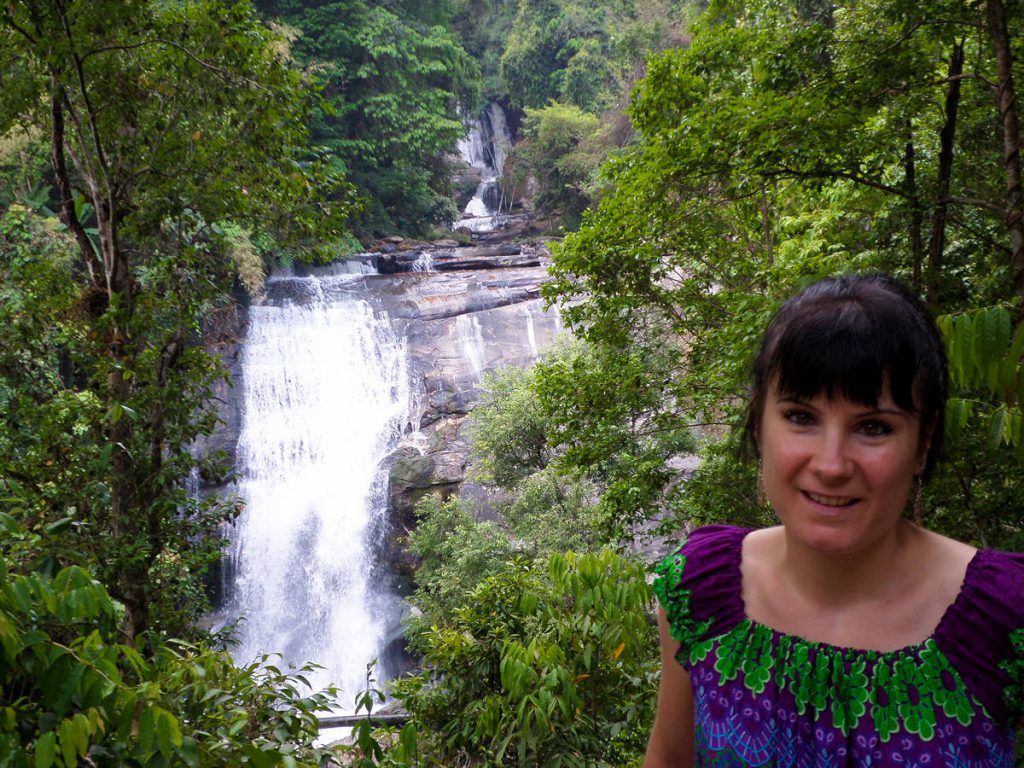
916,218
937,241
63,182
999,32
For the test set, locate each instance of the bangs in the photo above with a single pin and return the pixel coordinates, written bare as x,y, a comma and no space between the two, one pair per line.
839,349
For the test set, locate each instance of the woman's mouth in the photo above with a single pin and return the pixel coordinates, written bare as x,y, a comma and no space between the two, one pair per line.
830,501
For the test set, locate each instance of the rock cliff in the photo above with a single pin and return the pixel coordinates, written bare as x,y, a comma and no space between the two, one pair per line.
463,310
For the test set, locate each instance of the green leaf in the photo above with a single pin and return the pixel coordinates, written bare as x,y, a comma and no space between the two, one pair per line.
407,737
962,363
997,427
168,734
46,750
68,747
188,751
59,525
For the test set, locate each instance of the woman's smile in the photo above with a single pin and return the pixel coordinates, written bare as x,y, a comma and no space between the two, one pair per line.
838,472
830,501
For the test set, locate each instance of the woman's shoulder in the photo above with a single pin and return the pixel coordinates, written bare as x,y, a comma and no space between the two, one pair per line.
699,583
994,583
983,631
705,550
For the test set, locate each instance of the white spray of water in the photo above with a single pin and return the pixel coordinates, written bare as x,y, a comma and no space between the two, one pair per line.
486,152
326,395
470,337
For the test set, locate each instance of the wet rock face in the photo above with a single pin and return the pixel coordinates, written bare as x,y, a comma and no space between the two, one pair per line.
461,324
464,311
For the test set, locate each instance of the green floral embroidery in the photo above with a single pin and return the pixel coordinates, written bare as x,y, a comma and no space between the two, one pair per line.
913,694
782,666
884,708
848,706
757,659
731,647
901,691
1014,667
949,691
675,598
800,678
822,691
700,651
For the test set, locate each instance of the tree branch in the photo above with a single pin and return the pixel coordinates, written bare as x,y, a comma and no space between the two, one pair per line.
67,203
835,174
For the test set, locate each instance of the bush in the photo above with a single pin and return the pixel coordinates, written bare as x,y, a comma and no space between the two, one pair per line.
546,664
71,694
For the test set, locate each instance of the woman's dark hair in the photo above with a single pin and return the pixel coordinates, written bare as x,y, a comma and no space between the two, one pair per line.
851,337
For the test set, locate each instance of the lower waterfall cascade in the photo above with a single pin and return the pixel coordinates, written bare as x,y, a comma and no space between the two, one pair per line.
326,395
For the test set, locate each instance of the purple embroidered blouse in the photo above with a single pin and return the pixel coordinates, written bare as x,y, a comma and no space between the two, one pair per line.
763,698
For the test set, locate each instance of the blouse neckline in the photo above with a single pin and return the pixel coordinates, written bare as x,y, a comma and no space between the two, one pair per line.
947,619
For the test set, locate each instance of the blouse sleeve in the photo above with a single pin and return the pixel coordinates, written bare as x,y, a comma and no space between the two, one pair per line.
699,585
1013,666
982,633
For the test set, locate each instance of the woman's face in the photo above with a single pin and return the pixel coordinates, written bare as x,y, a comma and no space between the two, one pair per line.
838,473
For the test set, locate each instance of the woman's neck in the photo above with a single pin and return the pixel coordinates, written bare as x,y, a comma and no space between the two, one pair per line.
873,572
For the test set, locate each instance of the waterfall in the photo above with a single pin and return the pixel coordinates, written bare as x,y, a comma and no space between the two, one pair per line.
485,148
326,395
471,343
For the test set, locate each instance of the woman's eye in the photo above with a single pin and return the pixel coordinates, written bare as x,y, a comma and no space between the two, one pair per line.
875,428
798,418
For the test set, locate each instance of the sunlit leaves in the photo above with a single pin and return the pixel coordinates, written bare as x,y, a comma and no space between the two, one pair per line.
545,665
986,359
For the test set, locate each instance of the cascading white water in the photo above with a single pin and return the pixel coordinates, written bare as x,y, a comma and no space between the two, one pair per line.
471,343
485,148
326,396
501,139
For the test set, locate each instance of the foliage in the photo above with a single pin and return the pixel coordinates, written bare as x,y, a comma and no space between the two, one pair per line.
367,748
23,157
549,664
56,462
74,695
609,412
392,83
484,27
986,356
508,430
789,141
561,149
455,553
978,493
583,54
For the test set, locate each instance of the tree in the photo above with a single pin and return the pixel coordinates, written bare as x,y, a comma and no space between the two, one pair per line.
551,664
73,697
789,141
394,85
562,148
163,119
583,54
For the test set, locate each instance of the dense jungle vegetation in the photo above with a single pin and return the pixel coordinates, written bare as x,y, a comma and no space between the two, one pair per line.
706,159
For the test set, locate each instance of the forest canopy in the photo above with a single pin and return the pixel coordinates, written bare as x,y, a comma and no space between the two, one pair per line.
706,160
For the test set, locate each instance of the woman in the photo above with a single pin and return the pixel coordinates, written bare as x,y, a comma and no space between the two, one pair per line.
848,635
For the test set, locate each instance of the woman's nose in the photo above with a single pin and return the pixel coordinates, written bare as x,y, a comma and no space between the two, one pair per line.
831,458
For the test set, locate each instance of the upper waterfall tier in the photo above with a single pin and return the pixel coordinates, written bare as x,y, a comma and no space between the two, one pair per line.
485,148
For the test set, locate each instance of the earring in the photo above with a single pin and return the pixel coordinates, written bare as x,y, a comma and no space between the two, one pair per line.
762,497
918,511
